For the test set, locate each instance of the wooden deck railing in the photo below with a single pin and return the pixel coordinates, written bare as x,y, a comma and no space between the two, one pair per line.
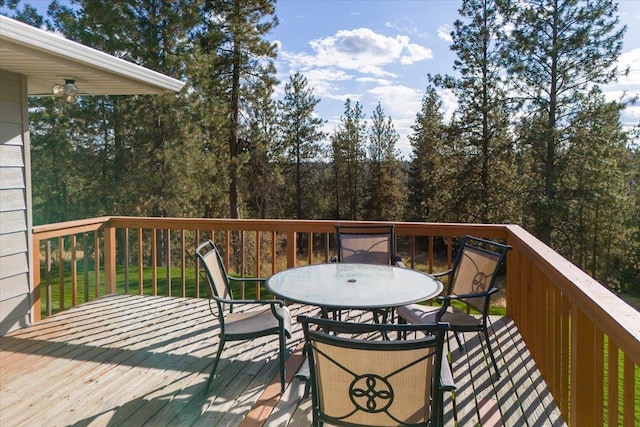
584,339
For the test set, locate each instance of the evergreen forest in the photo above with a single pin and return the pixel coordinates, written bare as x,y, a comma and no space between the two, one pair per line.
532,142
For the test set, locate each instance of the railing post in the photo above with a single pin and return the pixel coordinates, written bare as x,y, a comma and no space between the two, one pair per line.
109,260
292,249
36,304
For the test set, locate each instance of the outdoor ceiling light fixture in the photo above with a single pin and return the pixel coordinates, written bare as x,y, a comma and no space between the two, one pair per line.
68,91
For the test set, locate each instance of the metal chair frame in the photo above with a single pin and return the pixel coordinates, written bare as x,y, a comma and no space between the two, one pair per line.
472,250
219,290
376,396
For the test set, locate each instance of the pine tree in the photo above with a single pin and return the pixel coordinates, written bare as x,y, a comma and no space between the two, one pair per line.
555,52
301,136
384,192
594,188
240,61
426,140
481,120
135,139
263,183
347,161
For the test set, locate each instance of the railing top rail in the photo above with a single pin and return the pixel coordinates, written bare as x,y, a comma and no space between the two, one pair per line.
613,316
60,229
280,225
318,226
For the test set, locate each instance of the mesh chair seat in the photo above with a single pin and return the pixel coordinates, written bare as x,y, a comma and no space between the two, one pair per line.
256,321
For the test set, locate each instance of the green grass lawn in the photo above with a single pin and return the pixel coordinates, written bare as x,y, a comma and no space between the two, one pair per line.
86,288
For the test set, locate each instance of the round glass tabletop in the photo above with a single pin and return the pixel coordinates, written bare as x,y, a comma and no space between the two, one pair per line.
361,286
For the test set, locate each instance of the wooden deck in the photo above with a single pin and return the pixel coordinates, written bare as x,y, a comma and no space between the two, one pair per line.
141,360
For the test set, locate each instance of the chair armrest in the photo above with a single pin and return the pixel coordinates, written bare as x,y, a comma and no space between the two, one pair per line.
442,273
464,296
247,279
250,301
446,377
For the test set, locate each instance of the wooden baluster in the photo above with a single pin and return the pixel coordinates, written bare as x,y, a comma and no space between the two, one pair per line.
126,260
61,273
154,262
183,267
74,271
628,418
96,264
85,266
140,264
167,245
197,266
258,256
48,274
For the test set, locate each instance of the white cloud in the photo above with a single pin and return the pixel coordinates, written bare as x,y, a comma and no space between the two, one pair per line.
366,51
449,103
626,87
444,32
416,53
359,64
398,101
630,60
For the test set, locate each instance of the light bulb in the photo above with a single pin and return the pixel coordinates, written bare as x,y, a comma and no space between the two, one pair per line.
58,90
70,88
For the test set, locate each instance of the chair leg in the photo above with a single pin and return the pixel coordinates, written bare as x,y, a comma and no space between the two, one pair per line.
402,335
493,358
462,347
283,350
215,362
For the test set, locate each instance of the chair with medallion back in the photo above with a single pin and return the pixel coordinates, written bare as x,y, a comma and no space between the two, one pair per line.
360,379
255,318
471,281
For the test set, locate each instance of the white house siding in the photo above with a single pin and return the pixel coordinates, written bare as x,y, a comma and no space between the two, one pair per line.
15,204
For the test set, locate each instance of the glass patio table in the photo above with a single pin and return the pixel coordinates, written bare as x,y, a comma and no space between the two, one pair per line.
359,286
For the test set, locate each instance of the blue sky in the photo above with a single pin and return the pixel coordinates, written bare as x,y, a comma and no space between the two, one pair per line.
382,51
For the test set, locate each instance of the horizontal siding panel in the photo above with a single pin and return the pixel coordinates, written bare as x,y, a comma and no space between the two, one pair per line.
13,243
11,134
13,265
12,200
11,156
14,286
10,111
14,313
11,178
13,221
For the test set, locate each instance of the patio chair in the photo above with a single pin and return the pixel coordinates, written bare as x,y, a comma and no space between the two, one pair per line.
270,317
359,381
470,281
368,244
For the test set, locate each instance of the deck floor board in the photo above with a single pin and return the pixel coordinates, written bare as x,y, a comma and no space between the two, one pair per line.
144,360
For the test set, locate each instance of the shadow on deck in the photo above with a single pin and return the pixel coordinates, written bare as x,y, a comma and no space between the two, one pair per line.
142,360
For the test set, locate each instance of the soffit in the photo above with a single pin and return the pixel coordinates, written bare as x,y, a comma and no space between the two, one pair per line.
46,59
